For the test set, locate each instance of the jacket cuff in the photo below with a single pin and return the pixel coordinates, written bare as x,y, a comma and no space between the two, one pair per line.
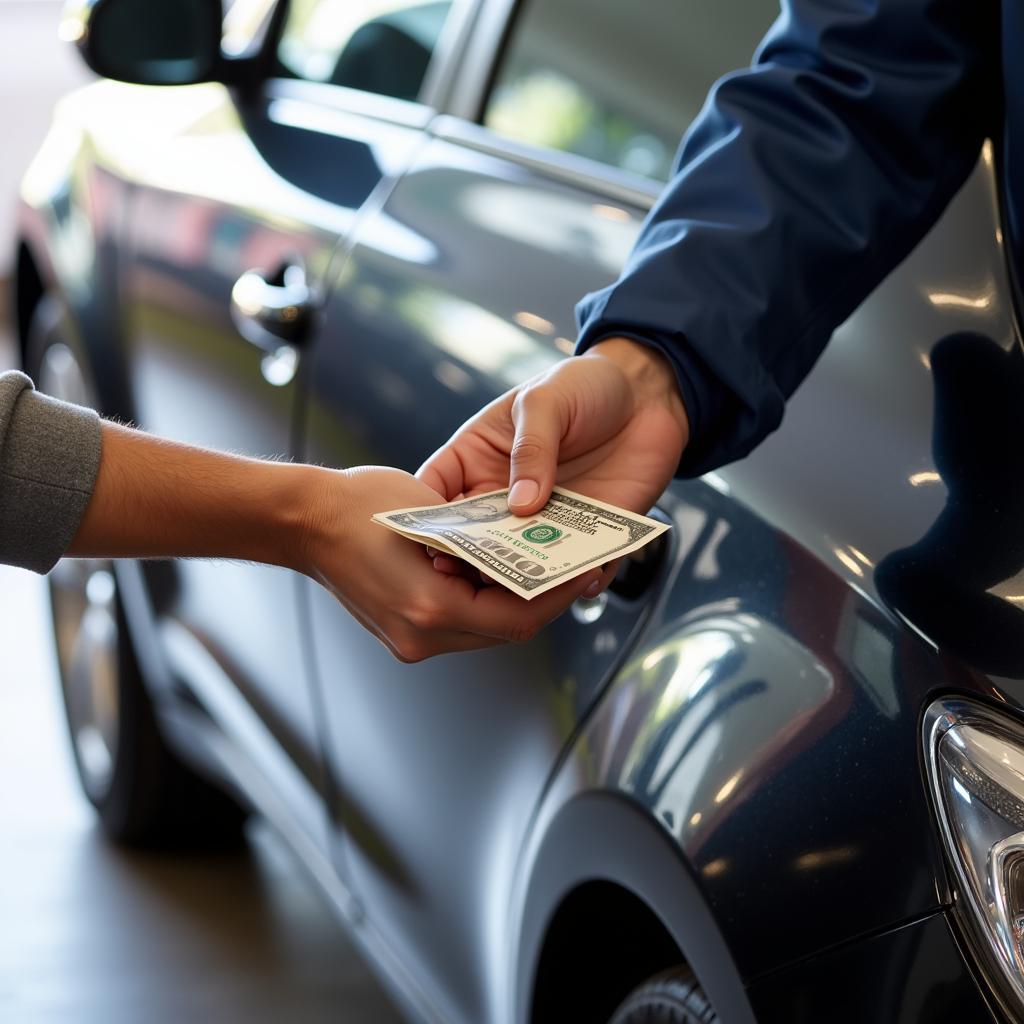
704,397
49,460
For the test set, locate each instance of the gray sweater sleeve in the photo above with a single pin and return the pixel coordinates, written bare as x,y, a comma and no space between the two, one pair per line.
49,458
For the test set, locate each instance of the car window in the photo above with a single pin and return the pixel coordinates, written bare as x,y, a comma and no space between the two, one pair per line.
618,82
380,46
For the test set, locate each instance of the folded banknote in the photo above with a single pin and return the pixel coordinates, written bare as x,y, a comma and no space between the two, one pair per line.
531,554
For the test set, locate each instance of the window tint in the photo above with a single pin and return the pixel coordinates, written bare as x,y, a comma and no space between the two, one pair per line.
619,82
381,46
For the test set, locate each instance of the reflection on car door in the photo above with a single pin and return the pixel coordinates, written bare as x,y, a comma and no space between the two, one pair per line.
462,286
437,766
225,187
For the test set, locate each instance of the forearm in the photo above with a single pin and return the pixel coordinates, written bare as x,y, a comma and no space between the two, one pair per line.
804,181
155,498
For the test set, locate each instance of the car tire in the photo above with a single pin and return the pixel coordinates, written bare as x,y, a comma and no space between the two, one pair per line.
144,795
671,997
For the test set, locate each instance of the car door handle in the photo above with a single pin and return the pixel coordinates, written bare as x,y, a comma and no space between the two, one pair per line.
275,311
637,574
641,570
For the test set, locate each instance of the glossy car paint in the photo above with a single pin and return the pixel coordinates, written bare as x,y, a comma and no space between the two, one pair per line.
768,718
262,204
422,329
917,976
755,708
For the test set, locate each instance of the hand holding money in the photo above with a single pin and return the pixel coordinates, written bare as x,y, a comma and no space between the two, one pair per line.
529,555
390,585
610,424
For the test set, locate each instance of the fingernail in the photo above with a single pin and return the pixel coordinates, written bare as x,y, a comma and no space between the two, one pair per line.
523,492
594,589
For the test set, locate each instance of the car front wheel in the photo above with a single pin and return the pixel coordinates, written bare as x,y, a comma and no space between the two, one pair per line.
671,997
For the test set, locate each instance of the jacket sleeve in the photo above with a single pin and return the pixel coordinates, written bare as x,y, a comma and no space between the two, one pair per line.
49,458
805,179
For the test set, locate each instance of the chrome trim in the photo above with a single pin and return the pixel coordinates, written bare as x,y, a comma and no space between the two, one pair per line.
268,314
941,717
1006,859
465,55
447,57
460,116
587,610
350,101
436,87
83,600
568,168
473,76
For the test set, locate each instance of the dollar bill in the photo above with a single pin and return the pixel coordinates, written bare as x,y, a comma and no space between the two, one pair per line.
530,555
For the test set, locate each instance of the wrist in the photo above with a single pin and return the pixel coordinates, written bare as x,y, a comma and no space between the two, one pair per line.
161,499
649,373
309,517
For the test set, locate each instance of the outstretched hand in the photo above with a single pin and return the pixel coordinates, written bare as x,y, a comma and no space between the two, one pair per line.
388,584
609,424
159,499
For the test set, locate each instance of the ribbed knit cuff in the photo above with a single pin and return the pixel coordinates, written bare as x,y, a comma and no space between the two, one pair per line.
49,459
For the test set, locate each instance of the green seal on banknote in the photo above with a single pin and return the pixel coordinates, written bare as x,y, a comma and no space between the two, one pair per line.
486,535
541,534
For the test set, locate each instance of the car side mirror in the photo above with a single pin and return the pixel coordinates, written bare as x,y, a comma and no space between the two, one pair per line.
147,42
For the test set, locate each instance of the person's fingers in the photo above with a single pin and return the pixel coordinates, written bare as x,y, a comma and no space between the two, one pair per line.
444,472
473,454
452,566
608,573
539,427
453,615
411,646
454,643
496,612
423,630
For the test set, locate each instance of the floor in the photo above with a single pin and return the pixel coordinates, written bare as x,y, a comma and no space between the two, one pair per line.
93,935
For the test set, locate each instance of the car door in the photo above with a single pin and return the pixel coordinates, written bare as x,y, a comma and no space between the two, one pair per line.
461,286
240,206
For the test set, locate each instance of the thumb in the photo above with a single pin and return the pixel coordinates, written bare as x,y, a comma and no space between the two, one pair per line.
534,456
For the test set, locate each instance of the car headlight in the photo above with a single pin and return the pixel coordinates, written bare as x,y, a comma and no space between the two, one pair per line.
975,759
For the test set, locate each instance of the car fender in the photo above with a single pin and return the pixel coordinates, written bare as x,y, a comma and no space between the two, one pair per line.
603,836
776,762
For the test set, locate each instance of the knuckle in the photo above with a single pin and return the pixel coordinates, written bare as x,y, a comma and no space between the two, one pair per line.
522,633
534,398
526,448
409,650
399,653
424,616
526,395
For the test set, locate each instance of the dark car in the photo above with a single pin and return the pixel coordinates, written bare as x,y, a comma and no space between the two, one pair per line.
777,774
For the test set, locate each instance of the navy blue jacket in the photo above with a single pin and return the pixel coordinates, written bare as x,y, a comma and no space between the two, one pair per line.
803,182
